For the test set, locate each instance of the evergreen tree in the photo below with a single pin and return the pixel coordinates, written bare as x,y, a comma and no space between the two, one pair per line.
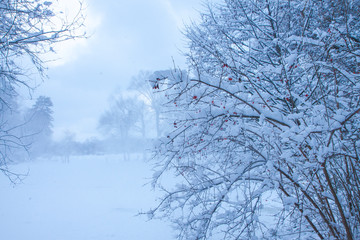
39,125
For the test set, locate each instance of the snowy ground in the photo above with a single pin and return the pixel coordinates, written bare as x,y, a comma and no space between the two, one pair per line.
89,198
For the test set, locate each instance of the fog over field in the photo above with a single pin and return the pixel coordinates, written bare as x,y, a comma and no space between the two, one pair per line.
88,197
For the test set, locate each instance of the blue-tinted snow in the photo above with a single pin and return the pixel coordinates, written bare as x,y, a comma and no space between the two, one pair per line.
94,197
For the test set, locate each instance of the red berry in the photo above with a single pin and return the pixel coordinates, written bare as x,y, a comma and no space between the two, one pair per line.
230,79
194,97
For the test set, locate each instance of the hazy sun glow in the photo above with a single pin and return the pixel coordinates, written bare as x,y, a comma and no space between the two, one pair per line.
68,51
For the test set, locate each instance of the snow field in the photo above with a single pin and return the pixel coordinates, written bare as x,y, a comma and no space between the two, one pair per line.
91,197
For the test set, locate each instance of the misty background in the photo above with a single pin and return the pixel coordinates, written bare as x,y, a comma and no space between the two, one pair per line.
83,172
126,38
92,80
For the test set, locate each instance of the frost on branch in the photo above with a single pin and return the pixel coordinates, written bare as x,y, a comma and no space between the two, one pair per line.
263,134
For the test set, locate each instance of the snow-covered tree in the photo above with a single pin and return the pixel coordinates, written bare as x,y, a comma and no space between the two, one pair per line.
28,29
145,83
13,144
265,132
39,125
124,116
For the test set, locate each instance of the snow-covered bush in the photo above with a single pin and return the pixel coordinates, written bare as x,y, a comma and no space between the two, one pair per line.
264,133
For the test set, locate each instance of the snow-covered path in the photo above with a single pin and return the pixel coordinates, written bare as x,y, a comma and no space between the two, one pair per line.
92,197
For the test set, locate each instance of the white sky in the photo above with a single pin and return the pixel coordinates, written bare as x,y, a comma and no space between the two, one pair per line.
127,36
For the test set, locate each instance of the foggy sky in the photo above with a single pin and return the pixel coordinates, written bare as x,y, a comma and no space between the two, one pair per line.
126,37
